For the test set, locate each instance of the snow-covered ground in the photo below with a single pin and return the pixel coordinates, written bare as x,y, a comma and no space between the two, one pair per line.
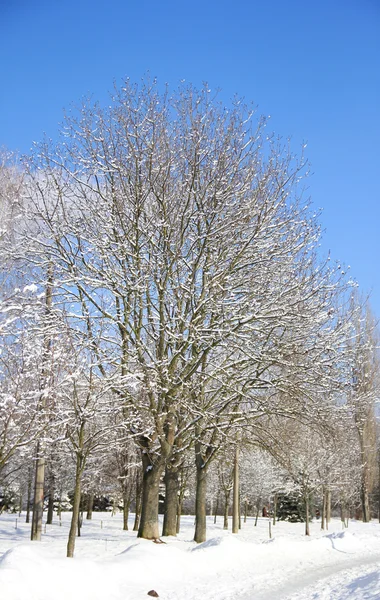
111,564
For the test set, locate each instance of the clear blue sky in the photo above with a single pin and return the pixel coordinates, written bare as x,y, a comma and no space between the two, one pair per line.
313,66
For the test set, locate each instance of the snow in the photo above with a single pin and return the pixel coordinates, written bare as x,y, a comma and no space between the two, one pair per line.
113,564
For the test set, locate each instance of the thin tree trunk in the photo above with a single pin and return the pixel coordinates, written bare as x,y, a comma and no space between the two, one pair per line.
226,508
275,499
179,513
90,506
342,514
323,515
235,493
328,507
76,506
364,497
307,520
257,511
216,507
126,505
245,510
50,512
200,504
80,515
29,496
148,528
38,502
181,497
137,503
171,501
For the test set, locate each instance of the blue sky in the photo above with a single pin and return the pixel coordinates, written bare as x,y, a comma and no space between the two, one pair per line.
313,66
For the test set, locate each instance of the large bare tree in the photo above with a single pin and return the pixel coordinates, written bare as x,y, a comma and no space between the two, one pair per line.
182,246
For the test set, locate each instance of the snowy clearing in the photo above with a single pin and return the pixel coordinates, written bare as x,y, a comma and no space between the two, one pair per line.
112,564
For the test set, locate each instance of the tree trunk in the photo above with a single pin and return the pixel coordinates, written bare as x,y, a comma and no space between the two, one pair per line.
76,508
245,510
148,528
138,503
275,499
307,519
80,515
38,502
179,514
90,506
226,508
29,496
328,507
171,501
216,507
126,504
200,504
323,515
235,493
50,512
257,511
364,497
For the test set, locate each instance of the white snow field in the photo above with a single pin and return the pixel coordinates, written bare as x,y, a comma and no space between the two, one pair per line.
111,564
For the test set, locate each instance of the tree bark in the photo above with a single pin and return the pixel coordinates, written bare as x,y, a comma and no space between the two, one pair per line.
328,507
90,506
50,512
29,496
323,515
235,494
38,502
137,503
226,508
216,508
307,519
148,528
200,504
171,480
76,507
126,505
275,499
364,497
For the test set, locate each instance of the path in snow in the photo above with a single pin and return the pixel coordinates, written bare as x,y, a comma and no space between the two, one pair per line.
355,579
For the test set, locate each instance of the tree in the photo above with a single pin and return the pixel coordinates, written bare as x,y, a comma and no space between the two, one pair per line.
182,245
361,399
